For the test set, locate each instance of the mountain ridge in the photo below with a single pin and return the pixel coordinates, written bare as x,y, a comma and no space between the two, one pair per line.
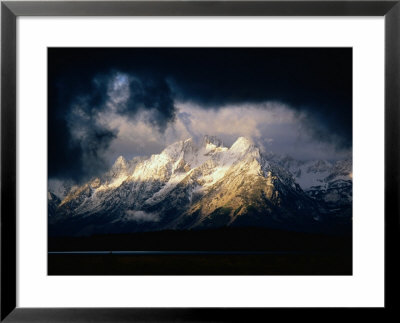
189,186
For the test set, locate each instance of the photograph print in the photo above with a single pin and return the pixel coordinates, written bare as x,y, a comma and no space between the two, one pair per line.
199,161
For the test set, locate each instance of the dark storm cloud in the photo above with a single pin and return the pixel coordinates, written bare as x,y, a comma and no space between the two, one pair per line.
78,140
315,82
129,94
84,131
155,96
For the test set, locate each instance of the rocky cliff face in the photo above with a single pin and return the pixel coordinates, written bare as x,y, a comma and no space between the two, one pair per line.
188,186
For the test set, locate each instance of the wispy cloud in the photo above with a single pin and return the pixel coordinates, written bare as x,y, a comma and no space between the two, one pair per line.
141,216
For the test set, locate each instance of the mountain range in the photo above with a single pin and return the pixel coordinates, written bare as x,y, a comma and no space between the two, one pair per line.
191,186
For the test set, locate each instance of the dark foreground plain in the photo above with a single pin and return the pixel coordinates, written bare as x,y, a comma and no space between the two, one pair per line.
228,251
266,264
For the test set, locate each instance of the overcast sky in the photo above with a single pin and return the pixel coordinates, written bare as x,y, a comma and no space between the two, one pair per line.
109,102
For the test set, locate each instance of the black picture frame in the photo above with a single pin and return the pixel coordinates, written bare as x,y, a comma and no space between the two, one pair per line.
10,10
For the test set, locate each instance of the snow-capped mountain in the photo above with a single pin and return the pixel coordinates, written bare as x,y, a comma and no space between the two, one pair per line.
331,182
53,201
189,186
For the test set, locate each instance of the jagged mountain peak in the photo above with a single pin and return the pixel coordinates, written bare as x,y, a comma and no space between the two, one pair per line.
245,147
242,144
189,185
118,169
119,163
174,150
51,196
319,166
211,140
